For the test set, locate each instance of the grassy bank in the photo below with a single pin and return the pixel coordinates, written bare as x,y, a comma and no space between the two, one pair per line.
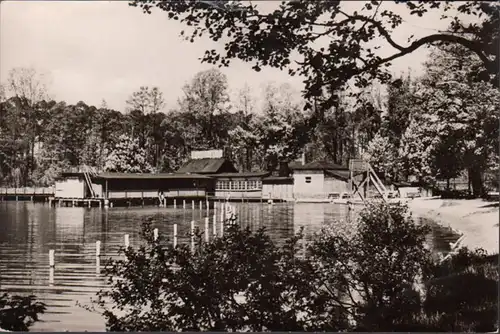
476,219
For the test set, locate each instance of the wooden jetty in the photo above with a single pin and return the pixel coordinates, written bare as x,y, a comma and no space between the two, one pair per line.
27,194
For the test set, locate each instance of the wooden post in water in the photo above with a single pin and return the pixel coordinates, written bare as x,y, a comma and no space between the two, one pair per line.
175,203
97,248
127,241
183,203
192,204
201,205
206,229
51,276
222,209
175,235
215,224
51,258
155,234
192,235
98,266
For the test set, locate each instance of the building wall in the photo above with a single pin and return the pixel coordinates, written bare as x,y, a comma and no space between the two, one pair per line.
248,194
334,185
277,191
70,188
148,188
308,184
115,194
239,187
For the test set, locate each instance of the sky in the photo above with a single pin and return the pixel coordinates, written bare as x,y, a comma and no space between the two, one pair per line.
95,50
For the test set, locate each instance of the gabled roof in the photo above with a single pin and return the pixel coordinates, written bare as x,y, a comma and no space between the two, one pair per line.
205,166
318,165
242,175
339,174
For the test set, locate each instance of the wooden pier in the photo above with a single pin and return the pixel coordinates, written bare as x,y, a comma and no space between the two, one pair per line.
27,194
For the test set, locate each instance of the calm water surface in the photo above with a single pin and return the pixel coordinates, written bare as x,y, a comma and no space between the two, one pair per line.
28,231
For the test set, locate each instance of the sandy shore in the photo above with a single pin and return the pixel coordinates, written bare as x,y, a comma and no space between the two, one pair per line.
476,219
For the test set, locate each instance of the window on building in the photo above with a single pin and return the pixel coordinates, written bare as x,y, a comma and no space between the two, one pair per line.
308,179
259,185
223,185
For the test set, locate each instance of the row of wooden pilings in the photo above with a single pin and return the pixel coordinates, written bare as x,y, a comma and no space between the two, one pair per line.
227,211
106,203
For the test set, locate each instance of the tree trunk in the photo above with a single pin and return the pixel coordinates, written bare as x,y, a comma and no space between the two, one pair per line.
476,181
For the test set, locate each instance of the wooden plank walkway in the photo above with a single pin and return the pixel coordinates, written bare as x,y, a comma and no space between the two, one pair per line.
27,191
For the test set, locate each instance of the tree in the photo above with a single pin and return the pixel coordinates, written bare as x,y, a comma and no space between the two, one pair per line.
383,157
27,89
206,99
401,107
462,109
144,107
415,151
149,100
327,44
366,118
281,128
127,157
243,143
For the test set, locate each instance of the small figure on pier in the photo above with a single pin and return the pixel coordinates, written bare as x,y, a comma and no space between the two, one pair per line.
161,197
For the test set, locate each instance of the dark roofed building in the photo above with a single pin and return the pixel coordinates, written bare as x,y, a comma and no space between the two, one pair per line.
208,166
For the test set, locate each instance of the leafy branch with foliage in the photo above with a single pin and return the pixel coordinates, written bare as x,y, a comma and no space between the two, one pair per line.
327,44
18,313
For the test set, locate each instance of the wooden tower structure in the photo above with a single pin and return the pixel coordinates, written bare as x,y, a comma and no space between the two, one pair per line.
360,168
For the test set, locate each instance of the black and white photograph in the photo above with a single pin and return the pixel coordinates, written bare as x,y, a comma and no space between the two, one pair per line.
249,166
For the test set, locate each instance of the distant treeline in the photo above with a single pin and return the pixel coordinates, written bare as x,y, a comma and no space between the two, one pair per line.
432,127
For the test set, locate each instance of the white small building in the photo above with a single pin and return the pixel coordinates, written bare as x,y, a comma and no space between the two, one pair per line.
73,185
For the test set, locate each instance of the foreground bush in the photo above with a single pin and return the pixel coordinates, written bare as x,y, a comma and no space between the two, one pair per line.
462,295
19,313
378,277
239,282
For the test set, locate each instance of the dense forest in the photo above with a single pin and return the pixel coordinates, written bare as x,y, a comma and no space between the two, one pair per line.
433,126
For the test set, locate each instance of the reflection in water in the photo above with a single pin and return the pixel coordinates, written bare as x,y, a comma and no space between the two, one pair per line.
28,231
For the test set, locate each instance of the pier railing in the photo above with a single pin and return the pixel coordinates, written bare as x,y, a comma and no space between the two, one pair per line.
27,191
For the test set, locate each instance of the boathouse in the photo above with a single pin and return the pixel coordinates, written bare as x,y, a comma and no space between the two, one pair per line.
141,186
228,182
319,180
131,187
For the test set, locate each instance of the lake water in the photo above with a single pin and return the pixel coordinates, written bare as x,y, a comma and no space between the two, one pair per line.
28,231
